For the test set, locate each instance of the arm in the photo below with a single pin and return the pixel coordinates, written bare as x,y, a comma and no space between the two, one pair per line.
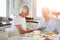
56,13
21,30
41,28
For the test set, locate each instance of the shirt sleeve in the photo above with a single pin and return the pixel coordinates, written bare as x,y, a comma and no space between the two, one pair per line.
17,21
20,21
57,28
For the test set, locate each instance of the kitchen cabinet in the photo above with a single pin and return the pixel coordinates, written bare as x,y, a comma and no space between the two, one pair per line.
4,35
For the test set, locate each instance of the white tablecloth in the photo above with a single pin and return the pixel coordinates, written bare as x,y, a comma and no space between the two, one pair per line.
28,38
15,37
23,38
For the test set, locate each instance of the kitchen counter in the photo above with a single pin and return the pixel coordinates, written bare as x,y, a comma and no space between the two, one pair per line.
5,24
32,21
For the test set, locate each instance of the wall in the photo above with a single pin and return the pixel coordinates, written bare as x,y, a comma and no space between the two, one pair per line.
29,3
33,8
7,8
13,7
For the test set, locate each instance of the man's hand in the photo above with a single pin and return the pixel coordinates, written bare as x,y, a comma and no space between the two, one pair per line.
56,32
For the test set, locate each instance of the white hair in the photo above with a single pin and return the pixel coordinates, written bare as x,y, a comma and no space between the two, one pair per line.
22,7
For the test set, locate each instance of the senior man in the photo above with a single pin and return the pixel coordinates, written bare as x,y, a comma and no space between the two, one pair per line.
48,21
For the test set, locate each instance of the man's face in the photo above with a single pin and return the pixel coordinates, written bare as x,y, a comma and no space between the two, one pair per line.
45,13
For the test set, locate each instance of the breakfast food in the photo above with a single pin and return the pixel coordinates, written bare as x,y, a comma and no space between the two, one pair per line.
36,33
50,33
27,34
43,35
46,38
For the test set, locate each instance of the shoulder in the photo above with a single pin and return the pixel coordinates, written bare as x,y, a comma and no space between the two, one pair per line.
17,17
53,19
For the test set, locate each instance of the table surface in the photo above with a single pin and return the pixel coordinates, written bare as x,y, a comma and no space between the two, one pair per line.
25,37
29,38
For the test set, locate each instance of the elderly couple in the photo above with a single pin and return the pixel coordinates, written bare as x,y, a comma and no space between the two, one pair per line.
48,22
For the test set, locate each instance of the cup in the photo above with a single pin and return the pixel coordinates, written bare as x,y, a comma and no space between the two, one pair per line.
36,33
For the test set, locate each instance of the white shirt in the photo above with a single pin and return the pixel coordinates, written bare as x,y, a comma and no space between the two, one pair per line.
18,20
50,25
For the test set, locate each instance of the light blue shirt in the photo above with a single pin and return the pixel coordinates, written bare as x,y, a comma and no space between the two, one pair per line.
51,25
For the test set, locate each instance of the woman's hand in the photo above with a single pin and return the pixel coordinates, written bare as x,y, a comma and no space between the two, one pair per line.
41,28
29,28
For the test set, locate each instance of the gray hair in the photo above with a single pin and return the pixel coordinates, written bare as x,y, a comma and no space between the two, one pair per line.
23,7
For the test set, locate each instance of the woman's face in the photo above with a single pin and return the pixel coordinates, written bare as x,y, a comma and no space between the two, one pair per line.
26,12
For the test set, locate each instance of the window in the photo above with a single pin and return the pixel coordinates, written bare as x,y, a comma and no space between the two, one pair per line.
3,8
53,5
11,5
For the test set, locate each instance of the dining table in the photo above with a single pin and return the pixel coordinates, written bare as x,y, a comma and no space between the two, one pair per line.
29,36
